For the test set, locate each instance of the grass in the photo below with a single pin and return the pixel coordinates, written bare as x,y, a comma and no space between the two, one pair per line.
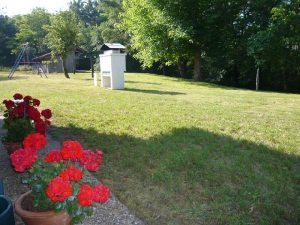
181,152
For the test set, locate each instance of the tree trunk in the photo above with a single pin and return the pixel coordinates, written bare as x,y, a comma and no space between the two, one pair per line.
65,67
182,67
257,80
236,74
285,87
197,66
92,65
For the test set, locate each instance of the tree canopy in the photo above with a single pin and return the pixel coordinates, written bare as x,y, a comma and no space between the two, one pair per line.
216,41
63,35
30,29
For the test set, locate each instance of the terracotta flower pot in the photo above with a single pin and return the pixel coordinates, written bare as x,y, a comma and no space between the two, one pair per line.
12,146
39,218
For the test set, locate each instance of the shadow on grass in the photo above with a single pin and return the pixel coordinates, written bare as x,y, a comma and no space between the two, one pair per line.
157,92
140,82
5,78
202,84
192,176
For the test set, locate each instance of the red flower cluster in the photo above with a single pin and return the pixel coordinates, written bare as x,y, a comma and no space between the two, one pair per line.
22,159
53,157
88,195
72,150
46,113
35,141
85,195
64,180
71,174
58,189
18,96
91,160
26,108
101,193
9,104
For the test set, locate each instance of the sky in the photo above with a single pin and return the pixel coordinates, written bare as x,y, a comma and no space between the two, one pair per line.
15,7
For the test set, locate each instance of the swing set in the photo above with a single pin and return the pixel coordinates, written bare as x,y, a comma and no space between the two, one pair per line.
23,54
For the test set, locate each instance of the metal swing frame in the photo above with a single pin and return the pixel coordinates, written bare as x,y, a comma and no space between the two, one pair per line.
18,61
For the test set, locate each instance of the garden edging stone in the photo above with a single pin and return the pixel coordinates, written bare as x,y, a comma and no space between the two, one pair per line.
113,212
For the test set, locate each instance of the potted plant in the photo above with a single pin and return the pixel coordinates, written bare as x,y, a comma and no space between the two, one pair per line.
21,118
60,189
6,208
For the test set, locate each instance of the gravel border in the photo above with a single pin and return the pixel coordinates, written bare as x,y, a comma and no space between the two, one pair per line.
113,212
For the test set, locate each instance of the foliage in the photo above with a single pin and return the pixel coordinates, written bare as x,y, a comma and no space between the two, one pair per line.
89,14
30,29
57,181
223,40
152,36
22,117
87,11
7,33
99,19
180,30
110,31
277,47
63,35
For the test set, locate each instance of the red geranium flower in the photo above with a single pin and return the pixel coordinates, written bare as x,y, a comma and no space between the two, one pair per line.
91,160
47,113
9,104
53,157
58,189
33,113
85,196
18,96
35,141
27,99
36,102
18,111
71,174
101,193
22,159
71,150
40,126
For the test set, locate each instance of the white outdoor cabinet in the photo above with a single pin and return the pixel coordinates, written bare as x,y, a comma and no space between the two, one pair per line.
112,66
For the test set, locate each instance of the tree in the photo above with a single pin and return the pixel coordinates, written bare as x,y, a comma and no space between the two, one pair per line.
99,19
7,33
89,14
188,29
153,38
63,35
87,11
276,47
30,29
110,31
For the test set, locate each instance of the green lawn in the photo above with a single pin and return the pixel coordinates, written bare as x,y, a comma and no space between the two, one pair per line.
180,152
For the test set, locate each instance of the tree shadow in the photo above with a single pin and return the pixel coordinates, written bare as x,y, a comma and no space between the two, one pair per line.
157,92
140,82
192,176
